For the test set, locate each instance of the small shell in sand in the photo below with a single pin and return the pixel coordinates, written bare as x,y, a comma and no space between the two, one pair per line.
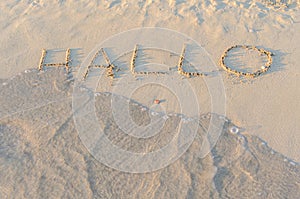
234,130
156,101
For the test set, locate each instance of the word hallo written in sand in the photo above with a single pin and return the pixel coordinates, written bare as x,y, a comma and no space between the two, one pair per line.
111,69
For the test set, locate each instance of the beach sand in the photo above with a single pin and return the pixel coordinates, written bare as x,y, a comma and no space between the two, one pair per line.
42,155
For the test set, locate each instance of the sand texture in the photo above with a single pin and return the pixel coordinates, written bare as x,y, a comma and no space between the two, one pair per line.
44,45
41,155
267,105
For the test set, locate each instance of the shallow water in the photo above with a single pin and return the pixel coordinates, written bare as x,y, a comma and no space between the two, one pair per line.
42,155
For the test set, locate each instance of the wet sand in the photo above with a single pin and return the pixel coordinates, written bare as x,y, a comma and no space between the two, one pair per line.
42,155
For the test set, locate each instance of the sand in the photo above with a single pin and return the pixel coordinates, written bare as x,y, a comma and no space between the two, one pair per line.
264,105
41,153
